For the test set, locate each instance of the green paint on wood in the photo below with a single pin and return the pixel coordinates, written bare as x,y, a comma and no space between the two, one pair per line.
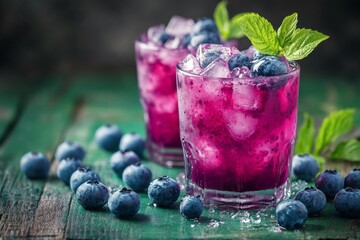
51,210
39,128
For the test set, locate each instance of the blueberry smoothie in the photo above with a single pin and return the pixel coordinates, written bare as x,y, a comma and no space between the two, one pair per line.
238,112
157,53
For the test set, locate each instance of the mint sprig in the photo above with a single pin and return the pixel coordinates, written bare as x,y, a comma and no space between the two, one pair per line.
306,135
261,33
293,43
228,28
333,127
286,30
349,150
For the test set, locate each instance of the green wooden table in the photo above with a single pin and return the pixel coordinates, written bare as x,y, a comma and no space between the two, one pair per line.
39,118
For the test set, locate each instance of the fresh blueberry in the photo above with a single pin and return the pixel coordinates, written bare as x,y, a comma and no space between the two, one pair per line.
191,207
124,203
257,55
205,37
164,191
291,214
92,194
132,142
313,199
137,177
82,175
305,167
330,182
108,137
185,41
204,25
353,179
35,165
208,57
70,149
347,202
121,160
66,168
239,60
268,66
161,38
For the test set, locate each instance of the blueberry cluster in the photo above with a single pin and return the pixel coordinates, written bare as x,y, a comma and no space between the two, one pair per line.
203,31
230,62
329,185
86,184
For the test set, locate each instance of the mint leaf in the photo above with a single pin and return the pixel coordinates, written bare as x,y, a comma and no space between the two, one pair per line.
305,138
303,43
349,150
334,126
222,19
260,32
286,30
235,30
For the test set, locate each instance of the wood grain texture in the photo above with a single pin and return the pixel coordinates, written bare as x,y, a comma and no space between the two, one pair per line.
50,210
36,130
9,109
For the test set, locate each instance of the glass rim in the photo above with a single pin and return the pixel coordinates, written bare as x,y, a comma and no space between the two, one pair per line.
296,68
146,45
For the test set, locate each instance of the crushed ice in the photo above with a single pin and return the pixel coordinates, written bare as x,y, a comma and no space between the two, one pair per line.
215,223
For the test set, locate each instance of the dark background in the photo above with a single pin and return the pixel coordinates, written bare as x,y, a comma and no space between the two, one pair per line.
41,37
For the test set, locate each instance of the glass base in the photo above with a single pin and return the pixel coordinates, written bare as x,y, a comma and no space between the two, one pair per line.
240,200
168,157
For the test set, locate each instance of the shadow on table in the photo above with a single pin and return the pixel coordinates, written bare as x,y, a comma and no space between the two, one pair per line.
139,218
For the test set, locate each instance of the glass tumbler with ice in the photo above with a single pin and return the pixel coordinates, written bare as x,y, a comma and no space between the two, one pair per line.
238,113
157,53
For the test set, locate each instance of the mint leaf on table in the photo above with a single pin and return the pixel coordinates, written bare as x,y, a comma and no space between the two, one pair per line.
222,21
348,150
293,43
260,32
305,138
334,126
304,41
287,29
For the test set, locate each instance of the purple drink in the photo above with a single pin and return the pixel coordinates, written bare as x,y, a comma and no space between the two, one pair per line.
157,53
237,128
156,77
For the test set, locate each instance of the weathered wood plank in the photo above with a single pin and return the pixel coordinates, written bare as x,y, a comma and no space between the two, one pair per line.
9,108
103,99
56,198
39,128
167,223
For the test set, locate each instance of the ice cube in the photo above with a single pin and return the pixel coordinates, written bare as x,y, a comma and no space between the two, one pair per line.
179,26
236,72
240,72
247,97
240,124
190,64
155,31
173,43
207,53
217,69
208,152
212,90
166,104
